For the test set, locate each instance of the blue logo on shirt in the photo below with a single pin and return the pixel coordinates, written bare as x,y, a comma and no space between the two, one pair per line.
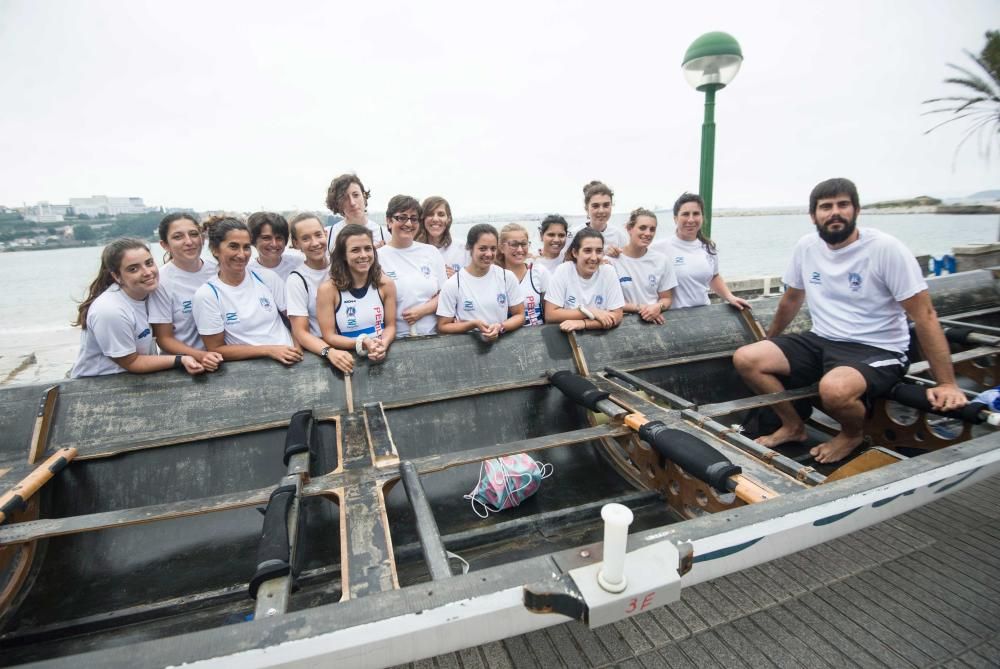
144,333
265,303
599,300
186,307
501,299
468,306
425,270
231,317
678,260
391,275
854,279
652,281
571,300
815,279
624,279
351,311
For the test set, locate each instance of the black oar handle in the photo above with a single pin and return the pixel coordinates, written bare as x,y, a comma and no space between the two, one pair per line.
691,454
914,396
273,553
297,438
578,389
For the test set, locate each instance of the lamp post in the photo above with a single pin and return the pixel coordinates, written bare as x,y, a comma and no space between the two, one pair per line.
711,62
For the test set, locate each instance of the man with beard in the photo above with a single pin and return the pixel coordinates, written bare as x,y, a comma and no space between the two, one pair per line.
860,285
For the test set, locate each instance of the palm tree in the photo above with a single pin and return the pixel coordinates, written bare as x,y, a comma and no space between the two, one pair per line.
981,103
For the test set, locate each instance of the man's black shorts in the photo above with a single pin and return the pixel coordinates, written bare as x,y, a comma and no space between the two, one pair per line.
811,356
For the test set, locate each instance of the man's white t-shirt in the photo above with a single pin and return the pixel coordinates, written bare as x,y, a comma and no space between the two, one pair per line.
694,267
289,261
419,275
643,279
854,293
534,286
613,236
247,313
173,300
486,298
117,326
569,290
300,297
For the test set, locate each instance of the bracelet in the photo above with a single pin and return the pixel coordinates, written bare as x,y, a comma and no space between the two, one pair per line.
587,312
178,364
359,345
584,321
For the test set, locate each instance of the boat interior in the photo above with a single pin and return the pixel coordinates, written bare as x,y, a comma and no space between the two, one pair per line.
178,497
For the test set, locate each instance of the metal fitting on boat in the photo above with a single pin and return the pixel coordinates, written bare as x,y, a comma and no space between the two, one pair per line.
617,518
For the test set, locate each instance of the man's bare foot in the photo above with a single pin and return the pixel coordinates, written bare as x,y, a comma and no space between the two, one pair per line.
836,449
783,435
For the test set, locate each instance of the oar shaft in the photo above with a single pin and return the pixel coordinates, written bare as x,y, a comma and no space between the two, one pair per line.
14,498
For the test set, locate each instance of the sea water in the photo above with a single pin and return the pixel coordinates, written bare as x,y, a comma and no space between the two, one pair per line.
41,289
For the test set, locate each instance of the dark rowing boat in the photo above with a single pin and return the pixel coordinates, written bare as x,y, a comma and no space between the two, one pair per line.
146,536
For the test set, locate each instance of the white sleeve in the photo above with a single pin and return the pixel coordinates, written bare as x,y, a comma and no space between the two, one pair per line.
514,296
556,294
296,295
208,311
113,329
542,278
616,299
277,287
669,279
448,299
713,260
900,271
439,272
159,303
793,275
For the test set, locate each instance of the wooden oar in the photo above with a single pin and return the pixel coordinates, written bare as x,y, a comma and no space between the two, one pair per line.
14,499
685,450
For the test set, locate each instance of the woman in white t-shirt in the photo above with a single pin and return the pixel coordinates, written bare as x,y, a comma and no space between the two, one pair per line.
584,293
302,285
239,311
597,202
694,258
356,304
482,296
646,277
347,197
116,336
435,229
416,268
553,233
269,235
533,279
171,306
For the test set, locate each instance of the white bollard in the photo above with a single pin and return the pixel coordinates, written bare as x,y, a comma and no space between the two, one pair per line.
617,518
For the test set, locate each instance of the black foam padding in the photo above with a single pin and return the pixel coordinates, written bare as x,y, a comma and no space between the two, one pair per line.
690,454
273,551
58,465
297,438
958,334
914,396
578,389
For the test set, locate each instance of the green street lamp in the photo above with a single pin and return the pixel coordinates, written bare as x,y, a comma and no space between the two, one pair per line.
711,62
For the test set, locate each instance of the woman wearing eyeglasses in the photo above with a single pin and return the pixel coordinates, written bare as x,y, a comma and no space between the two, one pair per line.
533,279
415,267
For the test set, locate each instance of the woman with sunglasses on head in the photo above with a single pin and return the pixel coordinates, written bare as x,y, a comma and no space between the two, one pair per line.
347,197
584,293
553,232
269,235
356,303
302,285
646,276
171,311
435,229
415,267
482,296
115,334
532,279
238,312
695,260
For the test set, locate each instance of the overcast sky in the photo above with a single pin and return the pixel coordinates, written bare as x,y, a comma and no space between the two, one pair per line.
499,107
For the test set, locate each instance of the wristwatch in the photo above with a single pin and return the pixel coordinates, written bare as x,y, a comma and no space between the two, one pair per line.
323,353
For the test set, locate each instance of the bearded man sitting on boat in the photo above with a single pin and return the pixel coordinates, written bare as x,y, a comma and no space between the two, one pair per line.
860,284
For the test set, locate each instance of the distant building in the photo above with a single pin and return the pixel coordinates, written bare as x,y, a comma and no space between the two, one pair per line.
43,212
97,205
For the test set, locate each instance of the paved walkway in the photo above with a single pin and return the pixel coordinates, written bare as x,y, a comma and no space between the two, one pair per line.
920,590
